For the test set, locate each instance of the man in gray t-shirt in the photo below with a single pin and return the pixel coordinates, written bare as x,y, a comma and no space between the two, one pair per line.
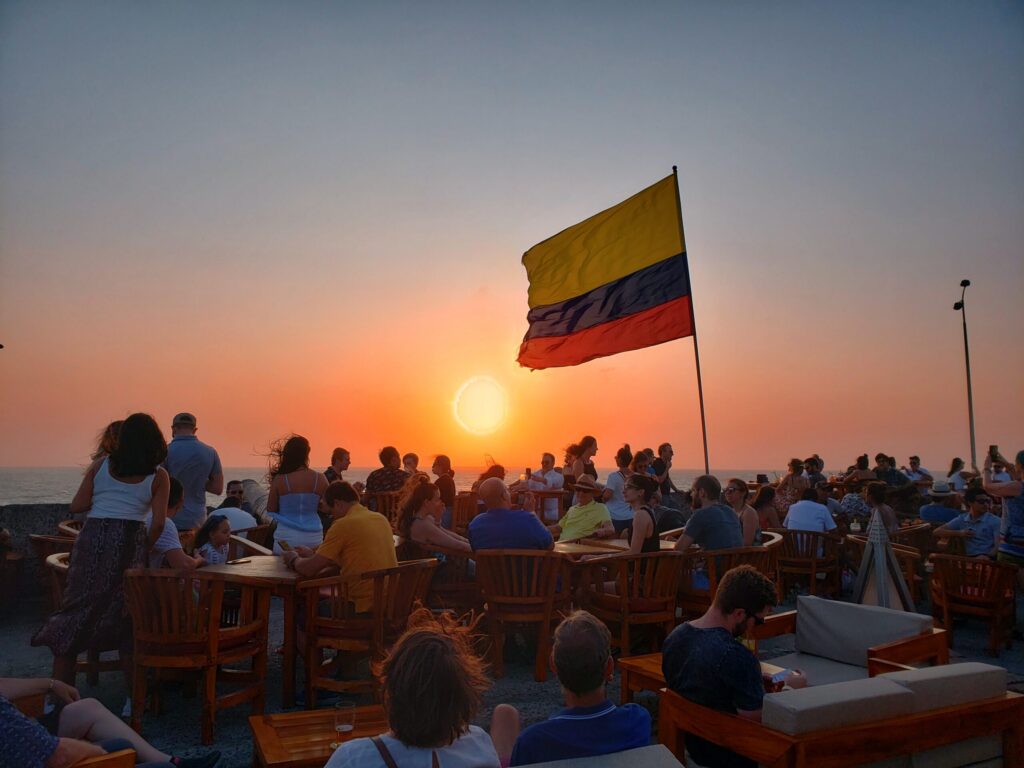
712,525
196,465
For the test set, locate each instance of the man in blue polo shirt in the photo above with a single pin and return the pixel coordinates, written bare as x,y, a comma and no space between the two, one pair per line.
500,527
978,525
196,465
591,725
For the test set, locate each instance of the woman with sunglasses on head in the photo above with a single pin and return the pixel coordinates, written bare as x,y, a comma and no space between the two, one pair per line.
736,494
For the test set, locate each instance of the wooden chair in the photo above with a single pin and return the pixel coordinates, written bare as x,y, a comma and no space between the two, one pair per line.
43,546
918,536
187,538
465,509
908,558
694,600
332,623
176,628
454,586
522,586
261,534
645,593
70,528
239,546
386,503
970,586
805,555
57,565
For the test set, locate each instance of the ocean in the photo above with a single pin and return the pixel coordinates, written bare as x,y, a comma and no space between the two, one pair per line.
57,485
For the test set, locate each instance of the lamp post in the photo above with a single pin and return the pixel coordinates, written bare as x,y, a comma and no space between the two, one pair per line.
967,360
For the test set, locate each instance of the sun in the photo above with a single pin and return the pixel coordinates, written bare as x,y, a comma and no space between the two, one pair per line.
480,405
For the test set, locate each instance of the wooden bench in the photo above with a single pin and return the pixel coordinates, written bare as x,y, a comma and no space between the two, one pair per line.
849,745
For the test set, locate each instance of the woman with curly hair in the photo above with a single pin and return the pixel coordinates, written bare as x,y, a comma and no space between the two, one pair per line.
433,662
419,510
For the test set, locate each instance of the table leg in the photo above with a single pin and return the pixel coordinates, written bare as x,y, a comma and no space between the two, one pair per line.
288,681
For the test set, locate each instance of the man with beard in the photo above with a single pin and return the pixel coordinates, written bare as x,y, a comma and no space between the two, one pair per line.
703,660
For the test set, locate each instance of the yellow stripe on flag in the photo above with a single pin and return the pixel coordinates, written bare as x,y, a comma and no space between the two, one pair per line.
634,234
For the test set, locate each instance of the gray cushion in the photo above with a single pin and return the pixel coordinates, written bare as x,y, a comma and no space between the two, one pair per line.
972,752
951,684
819,671
844,631
816,708
655,756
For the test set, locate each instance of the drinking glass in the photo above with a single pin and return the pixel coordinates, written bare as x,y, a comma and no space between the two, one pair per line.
344,722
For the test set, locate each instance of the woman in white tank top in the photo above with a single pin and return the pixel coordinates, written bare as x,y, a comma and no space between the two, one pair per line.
117,492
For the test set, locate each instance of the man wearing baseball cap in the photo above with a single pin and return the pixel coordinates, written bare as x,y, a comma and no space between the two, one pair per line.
196,466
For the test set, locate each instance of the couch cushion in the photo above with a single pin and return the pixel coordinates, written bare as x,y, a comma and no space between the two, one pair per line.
819,707
976,752
844,631
950,684
819,671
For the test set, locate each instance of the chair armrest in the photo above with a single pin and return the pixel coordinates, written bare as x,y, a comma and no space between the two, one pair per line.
775,624
326,581
743,736
31,705
880,666
930,646
123,758
251,547
674,533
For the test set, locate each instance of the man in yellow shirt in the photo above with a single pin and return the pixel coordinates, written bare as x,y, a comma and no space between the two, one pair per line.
357,542
587,518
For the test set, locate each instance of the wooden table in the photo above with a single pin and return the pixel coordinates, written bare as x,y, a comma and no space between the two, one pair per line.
272,568
643,673
621,545
576,549
303,739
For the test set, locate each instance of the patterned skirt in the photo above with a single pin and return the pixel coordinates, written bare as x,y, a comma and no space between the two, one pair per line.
93,614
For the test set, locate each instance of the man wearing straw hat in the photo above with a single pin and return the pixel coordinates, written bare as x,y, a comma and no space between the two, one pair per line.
945,504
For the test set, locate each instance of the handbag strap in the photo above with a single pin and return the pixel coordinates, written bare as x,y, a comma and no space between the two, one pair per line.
385,755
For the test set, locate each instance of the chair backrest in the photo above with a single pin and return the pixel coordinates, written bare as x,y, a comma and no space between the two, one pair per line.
465,509
187,538
69,528
397,590
258,535
808,545
721,561
513,580
918,536
651,577
975,579
166,610
386,503
57,565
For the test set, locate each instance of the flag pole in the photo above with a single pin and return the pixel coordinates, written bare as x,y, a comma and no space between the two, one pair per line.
693,325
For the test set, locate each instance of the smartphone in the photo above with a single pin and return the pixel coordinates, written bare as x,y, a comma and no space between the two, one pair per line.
284,545
780,677
241,561
993,452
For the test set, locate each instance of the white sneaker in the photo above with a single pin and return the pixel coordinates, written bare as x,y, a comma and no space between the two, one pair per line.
126,710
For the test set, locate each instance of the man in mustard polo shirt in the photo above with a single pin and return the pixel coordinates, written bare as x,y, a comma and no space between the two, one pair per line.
587,518
357,542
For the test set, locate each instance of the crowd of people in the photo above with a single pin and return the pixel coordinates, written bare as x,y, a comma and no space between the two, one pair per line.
139,492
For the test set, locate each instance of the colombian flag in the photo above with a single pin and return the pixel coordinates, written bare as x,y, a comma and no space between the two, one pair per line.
615,282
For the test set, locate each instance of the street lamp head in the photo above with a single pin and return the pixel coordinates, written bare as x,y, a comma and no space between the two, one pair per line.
964,283
958,306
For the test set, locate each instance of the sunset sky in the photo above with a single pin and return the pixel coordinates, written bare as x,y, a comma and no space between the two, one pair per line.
309,217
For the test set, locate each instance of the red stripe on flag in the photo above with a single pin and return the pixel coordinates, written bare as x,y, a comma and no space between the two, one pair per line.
665,322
